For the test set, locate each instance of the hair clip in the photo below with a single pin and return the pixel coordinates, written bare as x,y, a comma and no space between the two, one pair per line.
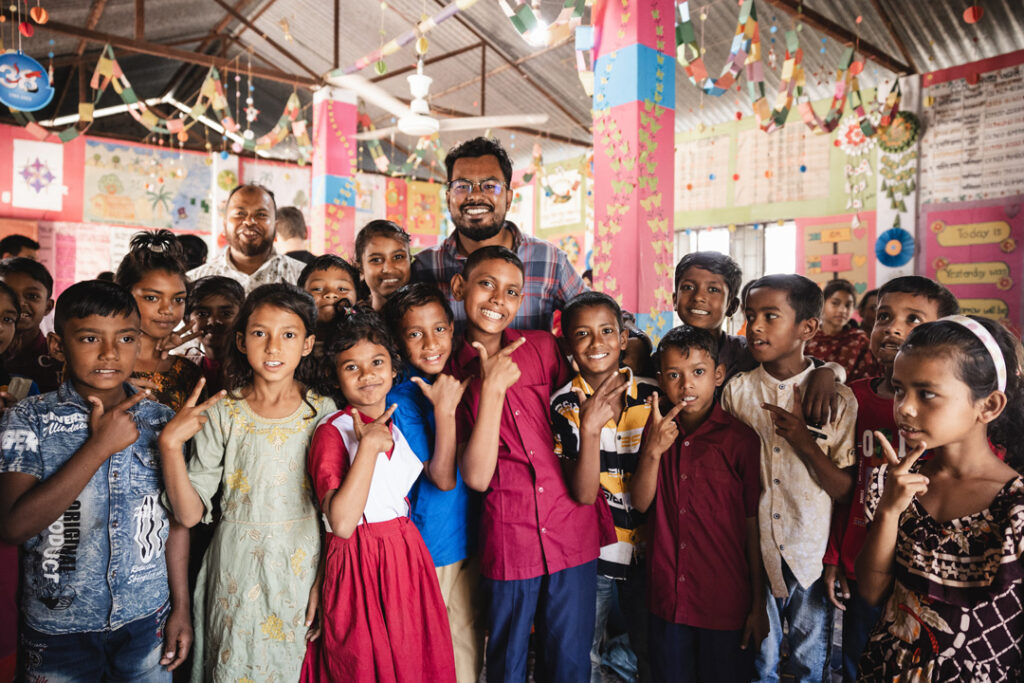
988,341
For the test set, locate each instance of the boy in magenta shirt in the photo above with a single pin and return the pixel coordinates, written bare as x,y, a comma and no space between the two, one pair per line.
539,548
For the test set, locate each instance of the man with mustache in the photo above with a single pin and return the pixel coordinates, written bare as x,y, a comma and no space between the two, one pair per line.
479,194
250,259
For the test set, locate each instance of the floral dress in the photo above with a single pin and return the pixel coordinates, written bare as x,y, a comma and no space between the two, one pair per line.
849,347
176,385
252,590
955,612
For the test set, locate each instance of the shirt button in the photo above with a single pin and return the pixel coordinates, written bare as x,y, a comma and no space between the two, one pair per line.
686,443
517,413
531,452
540,489
776,516
682,511
683,476
682,546
782,386
682,579
114,524
114,475
776,482
777,449
543,530
782,547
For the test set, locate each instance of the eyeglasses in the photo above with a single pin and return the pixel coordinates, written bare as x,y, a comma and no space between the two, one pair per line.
461,188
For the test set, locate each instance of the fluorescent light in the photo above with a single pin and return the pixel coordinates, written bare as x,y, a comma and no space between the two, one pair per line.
99,113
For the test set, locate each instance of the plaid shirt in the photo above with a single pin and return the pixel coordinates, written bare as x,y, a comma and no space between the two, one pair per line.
550,280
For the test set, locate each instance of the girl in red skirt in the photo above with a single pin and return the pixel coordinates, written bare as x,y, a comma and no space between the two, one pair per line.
384,618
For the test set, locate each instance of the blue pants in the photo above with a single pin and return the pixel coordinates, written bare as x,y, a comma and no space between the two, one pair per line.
681,654
561,606
130,654
808,615
858,620
632,595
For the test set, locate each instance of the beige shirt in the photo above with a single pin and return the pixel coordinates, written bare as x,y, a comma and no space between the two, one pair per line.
278,268
795,512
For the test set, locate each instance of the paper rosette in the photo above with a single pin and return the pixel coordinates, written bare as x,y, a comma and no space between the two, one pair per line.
894,247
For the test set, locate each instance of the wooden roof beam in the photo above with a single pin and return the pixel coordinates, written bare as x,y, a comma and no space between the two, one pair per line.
428,62
900,43
270,41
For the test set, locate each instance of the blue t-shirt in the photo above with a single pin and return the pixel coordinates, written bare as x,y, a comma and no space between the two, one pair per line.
442,517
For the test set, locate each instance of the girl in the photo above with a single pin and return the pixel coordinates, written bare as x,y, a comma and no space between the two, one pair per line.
383,259
384,618
154,272
839,339
256,590
331,280
944,537
214,302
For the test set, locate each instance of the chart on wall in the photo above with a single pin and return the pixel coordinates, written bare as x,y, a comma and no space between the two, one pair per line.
424,213
789,165
290,183
38,175
560,207
523,208
91,248
974,248
973,144
146,186
835,247
371,202
702,172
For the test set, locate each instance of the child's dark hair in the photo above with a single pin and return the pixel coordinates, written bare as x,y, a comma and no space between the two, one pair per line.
586,300
194,250
839,285
411,296
237,372
11,294
685,338
862,304
976,368
363,324
92,297
380,228
480,147
713,262
802,294
922,286
326,262
13,244
26,266
151,250
214,285
491,252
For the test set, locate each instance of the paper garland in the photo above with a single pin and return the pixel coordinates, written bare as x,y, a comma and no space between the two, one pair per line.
524,21
792,84
744,53
839,93
425,145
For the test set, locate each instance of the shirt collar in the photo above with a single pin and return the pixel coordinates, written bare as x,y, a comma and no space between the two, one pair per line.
467,353
225,260
451,243
67,394
715,419
579,383
773,382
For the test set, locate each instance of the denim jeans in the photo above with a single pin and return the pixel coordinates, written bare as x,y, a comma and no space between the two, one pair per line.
632,595
858,619
808,614
130,654
686,654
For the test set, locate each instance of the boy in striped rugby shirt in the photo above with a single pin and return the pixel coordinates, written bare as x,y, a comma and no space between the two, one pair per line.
598,419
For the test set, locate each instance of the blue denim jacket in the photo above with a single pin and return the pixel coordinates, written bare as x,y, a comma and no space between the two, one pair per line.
100,564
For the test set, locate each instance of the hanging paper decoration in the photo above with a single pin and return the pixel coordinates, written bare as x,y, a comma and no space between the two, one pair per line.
524,20
870,123
840,91
425,145
851,137
745,52
22,82
973,14
901,134
792,84
898,175
422,28
894,247
585,58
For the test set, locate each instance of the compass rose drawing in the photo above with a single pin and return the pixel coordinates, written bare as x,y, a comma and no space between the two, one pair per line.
37,175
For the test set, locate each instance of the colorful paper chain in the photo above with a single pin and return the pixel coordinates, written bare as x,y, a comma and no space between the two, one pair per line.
791,84
424,145
744,53
840,91
524,19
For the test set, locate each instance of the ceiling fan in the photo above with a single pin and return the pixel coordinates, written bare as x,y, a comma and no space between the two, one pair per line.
414,118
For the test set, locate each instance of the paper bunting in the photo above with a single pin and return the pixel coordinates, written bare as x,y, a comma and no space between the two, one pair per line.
840,91
425,145
524,21
791,85
744,53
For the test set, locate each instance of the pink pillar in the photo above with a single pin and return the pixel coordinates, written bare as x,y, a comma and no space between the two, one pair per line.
634,135
333,205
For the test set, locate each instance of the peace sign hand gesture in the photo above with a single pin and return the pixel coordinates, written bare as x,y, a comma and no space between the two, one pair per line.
663,428
500,372
375,436
598,408
190,419
901,485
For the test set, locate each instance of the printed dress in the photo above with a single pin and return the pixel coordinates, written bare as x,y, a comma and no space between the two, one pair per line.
955,613
252,590
175,385
849,348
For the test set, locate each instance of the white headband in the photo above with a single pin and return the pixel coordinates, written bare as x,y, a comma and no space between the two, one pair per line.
988,341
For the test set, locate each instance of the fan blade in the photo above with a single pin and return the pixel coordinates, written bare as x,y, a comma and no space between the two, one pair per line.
474,122
370,92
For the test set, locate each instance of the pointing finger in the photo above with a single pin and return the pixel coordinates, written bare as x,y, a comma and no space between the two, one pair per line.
133,399
210,402
776,410
424,387
97,406
513,346
670,415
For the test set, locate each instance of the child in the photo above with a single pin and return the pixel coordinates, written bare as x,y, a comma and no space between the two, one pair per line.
539,547
706,594
383,259
597,419
802,471
29,355
839,339
904,303
944,537
866,309
706,284
256,589
214,302
332,281
80,488
154,272
384,618
420,321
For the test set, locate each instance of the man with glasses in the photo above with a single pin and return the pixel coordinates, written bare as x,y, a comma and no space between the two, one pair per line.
479,194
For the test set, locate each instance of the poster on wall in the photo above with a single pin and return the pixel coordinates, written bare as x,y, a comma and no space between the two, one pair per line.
38,175
832,247
423,214
974,248
371,203
523,209
561,200
290,183
147,186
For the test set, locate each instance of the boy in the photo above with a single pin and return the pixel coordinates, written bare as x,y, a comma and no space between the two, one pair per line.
903,304
705,296
28,356
706,594
80,488
539,547
802,471
213,305
421,321
597,419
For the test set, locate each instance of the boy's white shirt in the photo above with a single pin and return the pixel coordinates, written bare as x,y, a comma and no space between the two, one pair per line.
794,512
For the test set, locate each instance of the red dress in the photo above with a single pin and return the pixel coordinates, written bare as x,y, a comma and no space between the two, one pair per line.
384,618
849,348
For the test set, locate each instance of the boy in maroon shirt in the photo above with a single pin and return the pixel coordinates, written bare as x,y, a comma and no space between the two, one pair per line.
903,304
700,471
539,547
